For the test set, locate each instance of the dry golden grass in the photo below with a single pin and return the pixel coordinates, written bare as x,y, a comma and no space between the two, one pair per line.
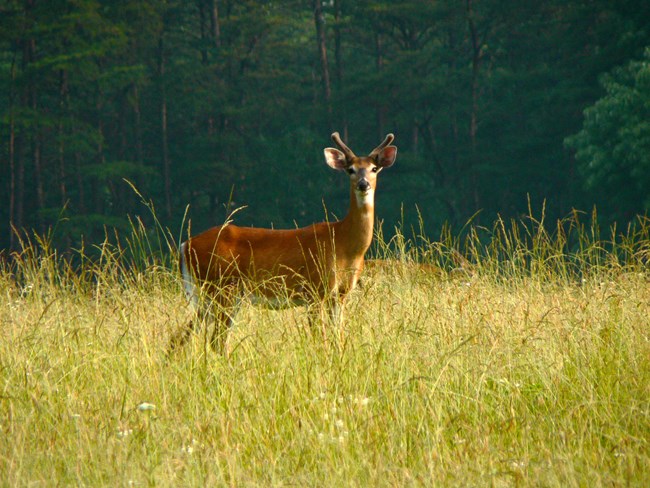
511,374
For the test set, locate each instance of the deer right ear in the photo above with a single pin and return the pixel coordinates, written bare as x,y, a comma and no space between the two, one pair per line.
335,159
387,156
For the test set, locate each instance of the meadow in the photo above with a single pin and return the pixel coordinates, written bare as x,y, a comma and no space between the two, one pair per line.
526,363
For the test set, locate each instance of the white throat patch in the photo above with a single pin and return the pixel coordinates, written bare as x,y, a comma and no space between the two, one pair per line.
365,198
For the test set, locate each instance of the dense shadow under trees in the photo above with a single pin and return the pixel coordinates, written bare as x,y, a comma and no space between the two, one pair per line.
217,104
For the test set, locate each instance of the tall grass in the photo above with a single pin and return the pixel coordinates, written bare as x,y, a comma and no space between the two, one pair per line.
530,366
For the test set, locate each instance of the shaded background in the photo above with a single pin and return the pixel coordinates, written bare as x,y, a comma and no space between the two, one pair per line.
216,104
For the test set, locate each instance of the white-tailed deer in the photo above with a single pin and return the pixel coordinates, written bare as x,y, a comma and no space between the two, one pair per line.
314,265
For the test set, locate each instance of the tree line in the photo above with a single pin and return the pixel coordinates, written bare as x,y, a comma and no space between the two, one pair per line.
204,106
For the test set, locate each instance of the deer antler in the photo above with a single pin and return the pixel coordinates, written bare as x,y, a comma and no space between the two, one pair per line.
346,150
389,138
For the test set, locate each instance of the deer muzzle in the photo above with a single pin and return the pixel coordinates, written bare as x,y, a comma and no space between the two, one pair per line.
363,185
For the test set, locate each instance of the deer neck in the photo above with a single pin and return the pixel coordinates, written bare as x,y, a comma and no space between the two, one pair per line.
358,225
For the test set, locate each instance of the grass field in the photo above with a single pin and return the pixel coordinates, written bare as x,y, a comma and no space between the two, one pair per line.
530,367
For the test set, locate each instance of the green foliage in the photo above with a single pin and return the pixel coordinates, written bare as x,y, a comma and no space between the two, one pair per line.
613,148
214,101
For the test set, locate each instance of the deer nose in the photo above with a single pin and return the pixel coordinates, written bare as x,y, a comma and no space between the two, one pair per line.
363,185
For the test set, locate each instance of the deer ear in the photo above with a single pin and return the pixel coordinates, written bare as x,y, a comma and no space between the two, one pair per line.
334,158
387,156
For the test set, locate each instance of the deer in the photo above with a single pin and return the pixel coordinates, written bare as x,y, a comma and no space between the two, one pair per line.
317,265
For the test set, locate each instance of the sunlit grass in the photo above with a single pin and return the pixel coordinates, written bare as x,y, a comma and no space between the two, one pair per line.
529,366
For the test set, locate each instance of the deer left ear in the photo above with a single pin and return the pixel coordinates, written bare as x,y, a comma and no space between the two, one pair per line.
387,156
335,158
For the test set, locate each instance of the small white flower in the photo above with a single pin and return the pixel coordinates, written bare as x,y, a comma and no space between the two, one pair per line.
121,434
362,401
339,423
517,464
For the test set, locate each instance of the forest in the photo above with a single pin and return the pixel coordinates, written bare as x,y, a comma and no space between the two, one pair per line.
194,108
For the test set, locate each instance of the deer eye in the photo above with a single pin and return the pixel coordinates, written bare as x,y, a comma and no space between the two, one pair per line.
375,169
351,171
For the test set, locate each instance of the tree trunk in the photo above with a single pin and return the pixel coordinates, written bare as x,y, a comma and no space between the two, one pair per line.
214,23
12,177
202,28
137,111
208,9
30,99
14,218
415,134
163,127
60,129
473,127
379,64
63,94
322,51
80,184
101,160
337,44
36,143
338,56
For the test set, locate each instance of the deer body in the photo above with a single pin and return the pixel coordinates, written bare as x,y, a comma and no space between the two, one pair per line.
318,263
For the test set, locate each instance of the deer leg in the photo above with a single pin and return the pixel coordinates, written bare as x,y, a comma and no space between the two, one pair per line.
316,322
180,337
220,332
224,322
336,314
199,313
223,329
194,301
325,314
